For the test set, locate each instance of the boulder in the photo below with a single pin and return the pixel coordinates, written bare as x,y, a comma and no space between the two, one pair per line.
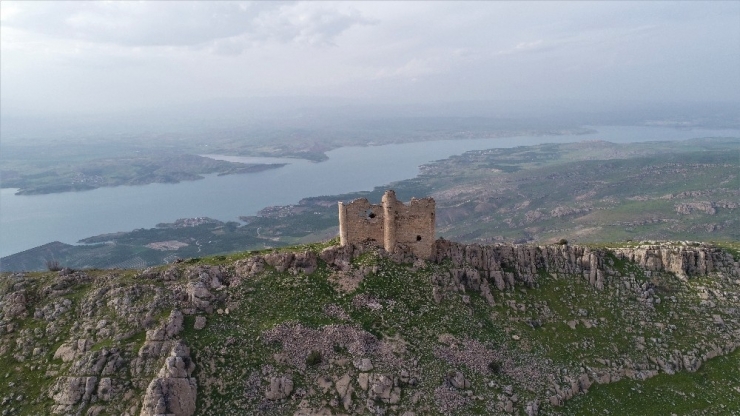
458,381
279,388
344,390
363,364
14,304
381,387
72,349
200,322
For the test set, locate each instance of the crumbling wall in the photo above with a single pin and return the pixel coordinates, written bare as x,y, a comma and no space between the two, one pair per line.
390,224
360,221
413,224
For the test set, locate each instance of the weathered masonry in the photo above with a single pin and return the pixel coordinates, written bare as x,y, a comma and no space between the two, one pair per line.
390,225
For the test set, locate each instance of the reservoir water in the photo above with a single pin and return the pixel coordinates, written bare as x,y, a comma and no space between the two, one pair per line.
27,221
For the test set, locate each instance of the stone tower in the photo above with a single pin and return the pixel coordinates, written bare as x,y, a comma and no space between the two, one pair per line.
390,224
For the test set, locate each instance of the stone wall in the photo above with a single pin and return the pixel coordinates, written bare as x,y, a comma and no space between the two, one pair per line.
390,224
412,224
360,222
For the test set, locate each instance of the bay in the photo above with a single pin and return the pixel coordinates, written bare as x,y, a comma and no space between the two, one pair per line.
27,221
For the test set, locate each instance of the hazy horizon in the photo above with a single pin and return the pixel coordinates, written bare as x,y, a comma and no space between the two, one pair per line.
91,60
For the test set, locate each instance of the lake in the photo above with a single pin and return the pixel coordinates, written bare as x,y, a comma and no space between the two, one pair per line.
27,221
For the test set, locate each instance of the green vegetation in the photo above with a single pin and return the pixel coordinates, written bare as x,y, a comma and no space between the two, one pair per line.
420,317
710,390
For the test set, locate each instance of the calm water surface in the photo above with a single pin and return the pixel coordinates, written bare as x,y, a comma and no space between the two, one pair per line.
28,221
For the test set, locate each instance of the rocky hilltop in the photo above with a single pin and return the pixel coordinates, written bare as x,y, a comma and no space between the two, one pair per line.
323,329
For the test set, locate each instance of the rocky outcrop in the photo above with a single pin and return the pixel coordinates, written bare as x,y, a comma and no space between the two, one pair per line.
70,350
14,304
249,267
503,265
279,388
338,256
701,206
173,391
382,387
292,262
199,295
683,260
300,262
70,392
158,342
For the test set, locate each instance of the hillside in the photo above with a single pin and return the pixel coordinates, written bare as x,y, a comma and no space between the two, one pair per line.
642,328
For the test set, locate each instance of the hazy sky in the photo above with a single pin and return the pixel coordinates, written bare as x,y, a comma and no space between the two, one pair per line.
107,56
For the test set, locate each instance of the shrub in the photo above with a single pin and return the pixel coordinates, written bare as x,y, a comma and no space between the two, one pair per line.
563,242
53,265
314,358
494,367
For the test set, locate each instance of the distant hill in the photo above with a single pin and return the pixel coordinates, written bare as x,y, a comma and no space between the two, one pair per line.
588,192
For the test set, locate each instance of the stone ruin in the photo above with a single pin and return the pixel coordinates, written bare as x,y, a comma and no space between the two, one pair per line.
390,224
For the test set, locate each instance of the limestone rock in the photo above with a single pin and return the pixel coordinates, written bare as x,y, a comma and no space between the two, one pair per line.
381,387
344,390
174,397
104,389
279,388
281,261
174,324
337,256
458,381
363,379
584,382
363,364
95,410
249,267
211,276
303,262
174,391
324,383
199,295
14,304
532,408
69,391
73,349
485,291
200,322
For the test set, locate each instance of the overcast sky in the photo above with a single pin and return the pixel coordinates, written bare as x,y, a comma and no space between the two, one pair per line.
109,56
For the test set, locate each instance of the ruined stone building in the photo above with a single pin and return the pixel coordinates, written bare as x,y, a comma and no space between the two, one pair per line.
390,225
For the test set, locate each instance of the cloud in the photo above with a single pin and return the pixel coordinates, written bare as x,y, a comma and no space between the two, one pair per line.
306,23
225,27
115,54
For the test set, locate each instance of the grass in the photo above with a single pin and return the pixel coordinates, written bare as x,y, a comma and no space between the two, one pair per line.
230,349
710,390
